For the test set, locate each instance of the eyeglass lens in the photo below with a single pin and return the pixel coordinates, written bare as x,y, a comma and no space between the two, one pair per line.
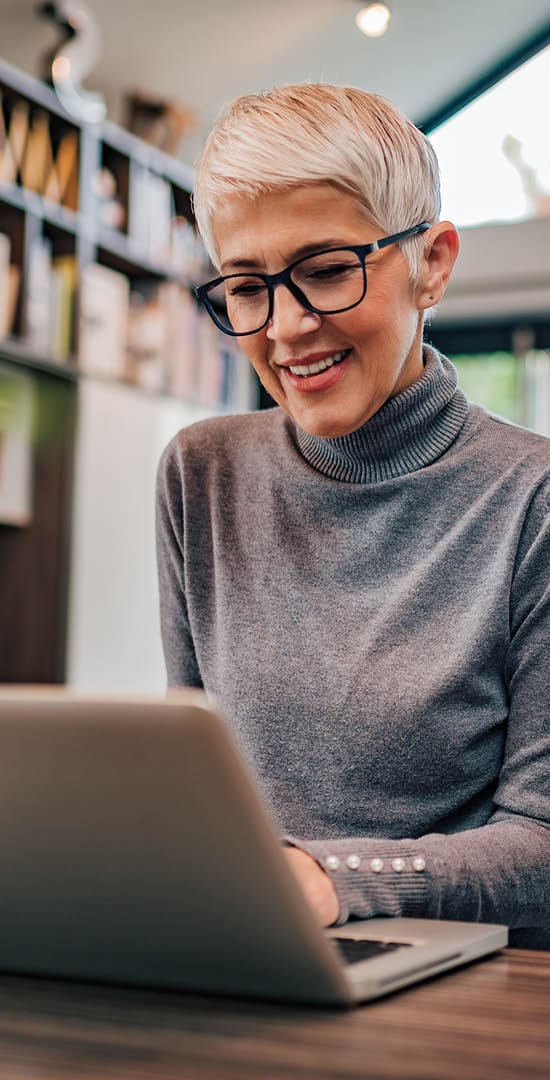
331,281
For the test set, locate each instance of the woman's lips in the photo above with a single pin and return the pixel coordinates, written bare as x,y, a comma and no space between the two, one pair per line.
322,381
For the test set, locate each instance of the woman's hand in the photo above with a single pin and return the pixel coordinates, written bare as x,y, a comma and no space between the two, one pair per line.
315,884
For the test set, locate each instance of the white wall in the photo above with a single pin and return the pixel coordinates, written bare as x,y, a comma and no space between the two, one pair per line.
114,638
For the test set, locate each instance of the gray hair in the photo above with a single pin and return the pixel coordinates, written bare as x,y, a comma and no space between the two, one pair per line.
319,133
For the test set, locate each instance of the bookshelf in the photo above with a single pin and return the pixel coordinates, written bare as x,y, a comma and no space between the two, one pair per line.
98,253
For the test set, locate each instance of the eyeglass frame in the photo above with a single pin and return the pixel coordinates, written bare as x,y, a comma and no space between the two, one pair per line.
283,277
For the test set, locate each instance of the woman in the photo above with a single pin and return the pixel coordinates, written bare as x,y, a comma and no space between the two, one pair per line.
360,576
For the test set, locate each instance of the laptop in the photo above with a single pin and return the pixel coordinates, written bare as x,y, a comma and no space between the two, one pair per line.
135,848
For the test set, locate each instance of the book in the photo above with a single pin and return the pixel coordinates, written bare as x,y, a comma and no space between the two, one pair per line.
14,279
181,341
150,214
103,321
66,170
38,159
64,279
37,319
52,188
138,202
147,336
18,134
5,252
8,168
17,397
209,362
161,212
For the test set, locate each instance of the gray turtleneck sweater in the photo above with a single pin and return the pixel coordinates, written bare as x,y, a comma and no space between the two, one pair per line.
372,614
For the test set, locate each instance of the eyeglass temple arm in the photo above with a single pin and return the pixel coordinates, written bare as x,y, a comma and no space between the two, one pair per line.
402,235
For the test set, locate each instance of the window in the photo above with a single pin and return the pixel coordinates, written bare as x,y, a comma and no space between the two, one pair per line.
495,153
515,386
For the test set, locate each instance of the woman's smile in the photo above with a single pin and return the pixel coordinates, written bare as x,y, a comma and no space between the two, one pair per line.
310,375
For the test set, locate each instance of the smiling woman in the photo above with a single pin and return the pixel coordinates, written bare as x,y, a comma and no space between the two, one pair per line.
360,575
376,357
331,281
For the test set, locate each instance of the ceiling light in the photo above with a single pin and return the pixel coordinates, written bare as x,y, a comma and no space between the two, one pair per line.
373,20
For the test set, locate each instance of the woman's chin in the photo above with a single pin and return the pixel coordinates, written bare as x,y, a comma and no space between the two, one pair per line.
331,421
328,427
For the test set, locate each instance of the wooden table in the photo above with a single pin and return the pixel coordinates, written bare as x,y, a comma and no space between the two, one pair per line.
490,1021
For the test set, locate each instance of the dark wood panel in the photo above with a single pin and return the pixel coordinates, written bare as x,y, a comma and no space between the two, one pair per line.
485,1022
34,559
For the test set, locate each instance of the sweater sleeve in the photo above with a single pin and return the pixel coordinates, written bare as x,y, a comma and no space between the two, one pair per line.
499,872
179,651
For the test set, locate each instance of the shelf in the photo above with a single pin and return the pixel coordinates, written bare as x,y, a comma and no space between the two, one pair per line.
56,253
26,86
156,160
131,259
18,351
28,201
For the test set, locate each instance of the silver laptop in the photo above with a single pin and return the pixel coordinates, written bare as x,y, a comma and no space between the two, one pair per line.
135,848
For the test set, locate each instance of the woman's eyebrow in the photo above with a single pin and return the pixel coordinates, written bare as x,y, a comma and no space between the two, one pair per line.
297,253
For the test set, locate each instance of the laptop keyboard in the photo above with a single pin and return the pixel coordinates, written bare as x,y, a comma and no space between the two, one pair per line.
352,950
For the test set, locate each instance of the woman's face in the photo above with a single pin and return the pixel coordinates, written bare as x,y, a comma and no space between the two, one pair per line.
381,337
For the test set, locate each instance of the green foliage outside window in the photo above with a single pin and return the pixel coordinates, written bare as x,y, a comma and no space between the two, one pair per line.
492,379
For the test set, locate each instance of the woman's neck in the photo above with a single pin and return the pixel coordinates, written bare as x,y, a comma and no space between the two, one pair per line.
410,431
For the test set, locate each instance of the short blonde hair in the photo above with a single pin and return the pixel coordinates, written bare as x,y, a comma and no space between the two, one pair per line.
315,133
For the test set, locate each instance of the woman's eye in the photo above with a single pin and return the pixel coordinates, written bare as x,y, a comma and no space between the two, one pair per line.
327,272
248,289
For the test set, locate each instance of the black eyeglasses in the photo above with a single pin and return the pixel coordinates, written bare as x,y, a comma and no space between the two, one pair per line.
327,282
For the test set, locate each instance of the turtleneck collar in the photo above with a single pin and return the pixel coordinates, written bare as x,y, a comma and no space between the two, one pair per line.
410,431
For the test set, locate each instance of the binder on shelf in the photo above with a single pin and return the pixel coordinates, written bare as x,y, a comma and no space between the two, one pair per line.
103,321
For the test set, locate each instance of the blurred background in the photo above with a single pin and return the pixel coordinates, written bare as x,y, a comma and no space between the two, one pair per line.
103,354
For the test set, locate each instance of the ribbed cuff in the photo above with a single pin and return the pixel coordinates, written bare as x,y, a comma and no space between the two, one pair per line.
378,878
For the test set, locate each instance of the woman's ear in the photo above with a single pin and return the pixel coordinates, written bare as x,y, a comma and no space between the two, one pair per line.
437,263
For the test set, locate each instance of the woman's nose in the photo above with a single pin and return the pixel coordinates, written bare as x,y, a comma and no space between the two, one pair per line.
290,318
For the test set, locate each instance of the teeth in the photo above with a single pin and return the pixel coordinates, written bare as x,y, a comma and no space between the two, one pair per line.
320,365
